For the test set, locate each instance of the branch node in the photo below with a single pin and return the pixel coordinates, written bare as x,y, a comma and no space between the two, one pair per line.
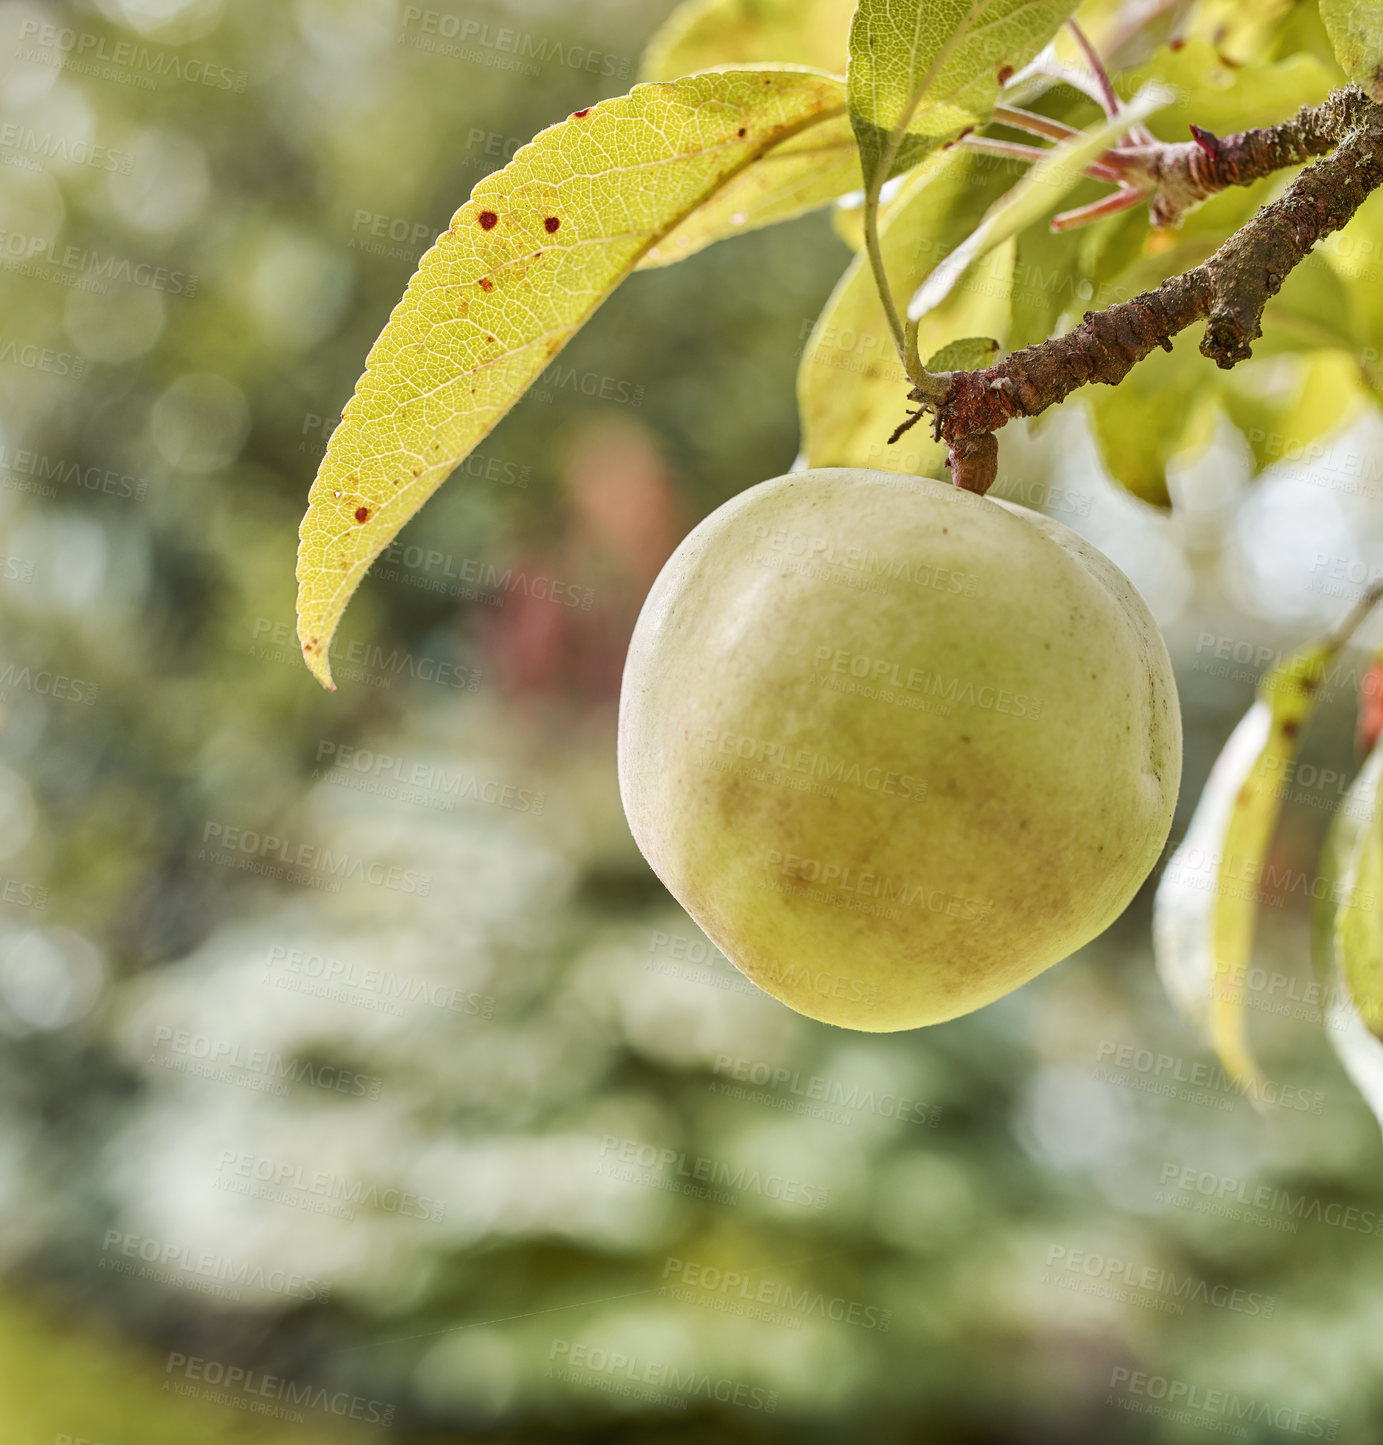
1229,291
1207,140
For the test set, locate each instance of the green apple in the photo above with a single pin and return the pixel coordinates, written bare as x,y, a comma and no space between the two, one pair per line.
896,748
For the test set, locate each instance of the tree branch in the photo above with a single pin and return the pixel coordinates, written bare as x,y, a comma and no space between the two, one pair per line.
1188,173
1228,291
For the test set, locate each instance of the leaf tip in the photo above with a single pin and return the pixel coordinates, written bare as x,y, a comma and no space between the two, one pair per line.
315,656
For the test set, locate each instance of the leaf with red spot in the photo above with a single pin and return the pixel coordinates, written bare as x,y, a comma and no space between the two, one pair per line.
921,73
504,289
803,173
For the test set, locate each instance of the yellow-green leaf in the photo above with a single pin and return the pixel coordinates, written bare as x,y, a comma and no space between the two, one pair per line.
1209,91
1358,919
1135,450
704,33
847,215
968,354
1313,309
1036,195
851,387
803,174
523,265
847,220
1355,28
1285,407
1353,255
921,71
1244,30
1207,902
1349,932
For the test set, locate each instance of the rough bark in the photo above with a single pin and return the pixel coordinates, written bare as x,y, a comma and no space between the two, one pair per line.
1228,291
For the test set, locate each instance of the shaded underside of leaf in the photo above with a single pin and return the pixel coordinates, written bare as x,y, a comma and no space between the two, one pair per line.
523,265
1310,396
1186,900
1355,28
705,33
920,73
1049,180
851,387
1153,414
1358,932
1207,902
1349,933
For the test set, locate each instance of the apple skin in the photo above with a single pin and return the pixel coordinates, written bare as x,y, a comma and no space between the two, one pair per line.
894,747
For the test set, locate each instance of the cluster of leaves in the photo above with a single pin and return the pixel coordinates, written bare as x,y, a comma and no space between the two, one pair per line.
1208,898
744,120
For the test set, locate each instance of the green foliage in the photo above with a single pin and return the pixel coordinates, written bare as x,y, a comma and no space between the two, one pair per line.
1047,283
850,380
968,354
524,263
706,33
1312,311
957,238
69,1384
803,173
165,588
918,77
1207,902
1166,385
1035,196
1359,918
1355,256
1355,28
921,74
1209,91
1349,931
1282,410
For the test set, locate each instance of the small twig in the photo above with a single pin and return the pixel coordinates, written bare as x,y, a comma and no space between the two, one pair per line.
1017,151
1033,123
1138,133
1124,199
1173,177
1186,174
1228,291
1108,99
907,424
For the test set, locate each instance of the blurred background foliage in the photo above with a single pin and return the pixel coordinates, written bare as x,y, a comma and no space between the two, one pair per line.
335,1027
